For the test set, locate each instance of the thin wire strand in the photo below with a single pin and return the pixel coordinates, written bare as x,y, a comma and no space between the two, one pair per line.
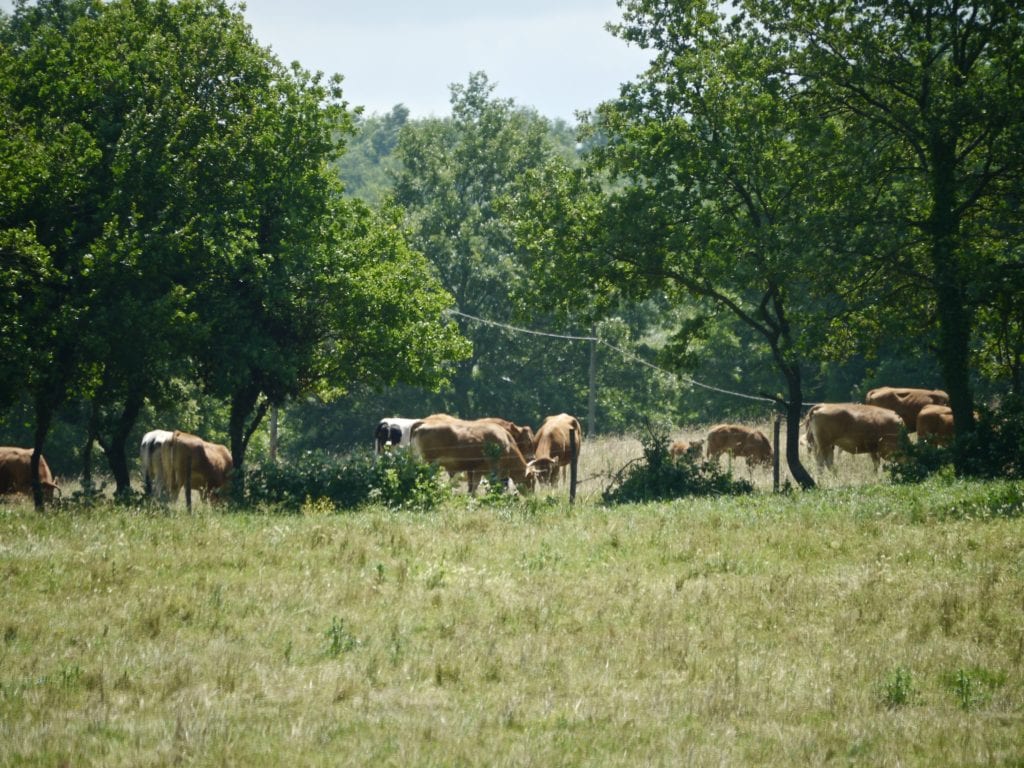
626,354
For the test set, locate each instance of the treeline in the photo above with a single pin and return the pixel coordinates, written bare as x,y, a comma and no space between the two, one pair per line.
788,204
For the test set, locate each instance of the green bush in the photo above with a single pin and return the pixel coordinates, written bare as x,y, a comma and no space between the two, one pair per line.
395,479
659,476
996,449
916,462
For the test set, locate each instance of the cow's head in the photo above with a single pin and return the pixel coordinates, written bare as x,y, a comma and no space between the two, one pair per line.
542,470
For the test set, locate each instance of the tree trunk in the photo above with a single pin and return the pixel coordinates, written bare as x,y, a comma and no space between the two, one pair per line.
954,314
44,415
243,404
115,446
794,418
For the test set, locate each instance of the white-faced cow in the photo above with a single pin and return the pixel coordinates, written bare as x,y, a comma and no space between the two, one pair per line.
935,424
853,427
551,447
474,447
737,440
392,432
906,401
16,472
151,461
204,466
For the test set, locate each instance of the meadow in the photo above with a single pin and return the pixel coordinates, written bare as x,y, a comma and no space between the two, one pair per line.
861,623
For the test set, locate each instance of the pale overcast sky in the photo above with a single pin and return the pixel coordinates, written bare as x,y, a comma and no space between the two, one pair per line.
553,55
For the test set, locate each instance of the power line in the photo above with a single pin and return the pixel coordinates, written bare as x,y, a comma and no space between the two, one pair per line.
625,353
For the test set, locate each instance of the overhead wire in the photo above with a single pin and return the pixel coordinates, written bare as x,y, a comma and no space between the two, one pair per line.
625,353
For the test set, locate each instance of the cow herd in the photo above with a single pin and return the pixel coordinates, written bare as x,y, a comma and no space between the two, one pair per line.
873,427
515,454
492,445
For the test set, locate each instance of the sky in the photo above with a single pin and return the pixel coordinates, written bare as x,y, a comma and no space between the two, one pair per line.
553,56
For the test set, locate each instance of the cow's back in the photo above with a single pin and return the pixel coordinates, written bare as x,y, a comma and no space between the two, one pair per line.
854,427
464,446
552,439
739,440
906,401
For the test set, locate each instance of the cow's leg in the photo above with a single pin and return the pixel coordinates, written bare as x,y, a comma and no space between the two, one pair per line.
472,479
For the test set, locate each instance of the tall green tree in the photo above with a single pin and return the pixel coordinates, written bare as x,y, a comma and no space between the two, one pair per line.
180,217
453,174
937,88
709,187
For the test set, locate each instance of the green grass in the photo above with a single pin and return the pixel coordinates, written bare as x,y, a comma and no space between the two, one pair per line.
868,625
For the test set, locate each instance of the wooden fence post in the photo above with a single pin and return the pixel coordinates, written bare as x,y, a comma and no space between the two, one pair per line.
188,483
574,453
775,462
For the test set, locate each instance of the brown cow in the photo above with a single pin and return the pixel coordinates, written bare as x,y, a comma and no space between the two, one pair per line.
935,424
738,440
853,427
551,448
473,447
906,401
16,472
523,435
682,447
210,465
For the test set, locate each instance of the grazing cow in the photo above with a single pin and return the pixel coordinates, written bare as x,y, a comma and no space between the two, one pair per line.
207,466
935,424
523,436
906,401
151,461
738,440
551,448
16,472
394,432
682,447
473,447
853,427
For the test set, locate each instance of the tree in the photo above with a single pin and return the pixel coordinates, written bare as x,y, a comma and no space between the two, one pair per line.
453,174
181,216
936,87
709,185
370,161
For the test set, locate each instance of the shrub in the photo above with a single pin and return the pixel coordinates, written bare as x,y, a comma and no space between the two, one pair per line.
659,475
916,462
994,450
394,479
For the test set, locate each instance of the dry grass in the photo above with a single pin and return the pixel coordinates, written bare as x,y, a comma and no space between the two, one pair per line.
864,625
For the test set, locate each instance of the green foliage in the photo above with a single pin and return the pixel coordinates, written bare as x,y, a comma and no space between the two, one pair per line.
915,462
369,164
340,639
973,687
996,447
395,479
659,476
453,175
897,690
